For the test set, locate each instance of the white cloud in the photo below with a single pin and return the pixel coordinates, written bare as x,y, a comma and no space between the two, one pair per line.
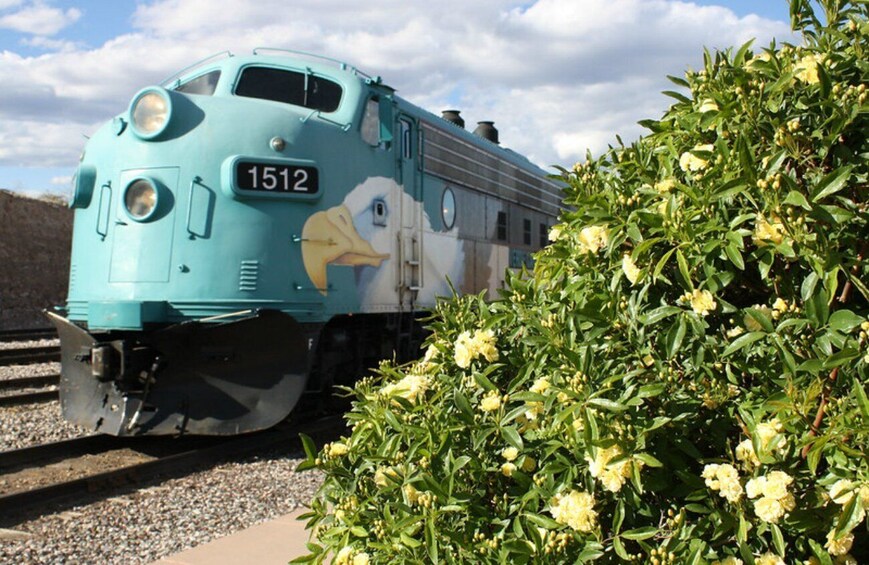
39,19
61,181
557,76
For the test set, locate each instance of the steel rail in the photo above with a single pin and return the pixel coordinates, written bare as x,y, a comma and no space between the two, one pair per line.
29,355
44,499
27,334
33,381
28,397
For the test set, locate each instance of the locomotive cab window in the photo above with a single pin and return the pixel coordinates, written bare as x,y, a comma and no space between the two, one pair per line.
204,84
370,129
290,87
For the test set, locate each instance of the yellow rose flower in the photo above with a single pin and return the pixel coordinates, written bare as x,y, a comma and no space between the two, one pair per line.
412,494
343,557
708,106
807,68
510,453
468,348
337,449
593,238
555,233
507,469
839,545
702,301
632,272
745,453
611,475
729,560
724,479
769,559
775,501
689,162
411,387
360,559
491,401
765,231
576,509
540,386
665,185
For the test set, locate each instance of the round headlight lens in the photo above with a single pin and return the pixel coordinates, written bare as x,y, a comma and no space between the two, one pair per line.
150,113
140,199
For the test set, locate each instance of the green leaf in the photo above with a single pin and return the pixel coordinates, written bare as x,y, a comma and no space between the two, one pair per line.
648,460
742,530
851,515
658,314
832,183
640,533
841,357
511,436
619,547
743,341
777,539
795,198
761,318
309,446
618,516
675,336
862,401
607,404
820,553
808,287
684,270
677,95
845,320
662,263
735,256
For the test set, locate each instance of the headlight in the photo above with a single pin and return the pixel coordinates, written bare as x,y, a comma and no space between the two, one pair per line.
150,112
140,199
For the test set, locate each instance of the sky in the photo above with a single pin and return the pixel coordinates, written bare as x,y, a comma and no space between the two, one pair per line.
558,77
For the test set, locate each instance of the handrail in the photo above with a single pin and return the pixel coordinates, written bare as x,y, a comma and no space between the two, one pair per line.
341,64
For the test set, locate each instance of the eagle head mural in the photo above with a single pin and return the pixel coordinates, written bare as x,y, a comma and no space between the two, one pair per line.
346,235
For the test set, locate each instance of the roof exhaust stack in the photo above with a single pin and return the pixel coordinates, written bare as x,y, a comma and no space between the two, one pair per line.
454,117
487,130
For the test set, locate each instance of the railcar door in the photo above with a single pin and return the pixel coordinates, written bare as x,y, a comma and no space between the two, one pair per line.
410,237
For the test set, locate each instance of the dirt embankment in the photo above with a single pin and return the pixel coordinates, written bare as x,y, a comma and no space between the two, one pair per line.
34,259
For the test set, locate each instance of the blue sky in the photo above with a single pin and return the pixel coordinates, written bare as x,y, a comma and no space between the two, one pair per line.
596,66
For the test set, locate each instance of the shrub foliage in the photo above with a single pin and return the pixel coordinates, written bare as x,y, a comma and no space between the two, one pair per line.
681,379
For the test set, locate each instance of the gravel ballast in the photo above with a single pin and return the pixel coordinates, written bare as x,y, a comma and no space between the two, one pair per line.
155,520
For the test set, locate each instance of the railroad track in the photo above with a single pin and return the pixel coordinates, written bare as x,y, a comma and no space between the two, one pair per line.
28,334
29,355
41,479
32,382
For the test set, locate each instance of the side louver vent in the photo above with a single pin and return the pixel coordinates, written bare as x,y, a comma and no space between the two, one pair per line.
248,275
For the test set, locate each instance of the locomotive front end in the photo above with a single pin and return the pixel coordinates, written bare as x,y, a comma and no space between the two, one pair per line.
189,307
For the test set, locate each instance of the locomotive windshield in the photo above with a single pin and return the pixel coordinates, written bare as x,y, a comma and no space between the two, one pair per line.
204,84
289,87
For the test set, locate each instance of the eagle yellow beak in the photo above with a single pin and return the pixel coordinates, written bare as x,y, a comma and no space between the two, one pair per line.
329,237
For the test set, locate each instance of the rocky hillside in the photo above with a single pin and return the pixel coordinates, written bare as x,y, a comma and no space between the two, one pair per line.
34,258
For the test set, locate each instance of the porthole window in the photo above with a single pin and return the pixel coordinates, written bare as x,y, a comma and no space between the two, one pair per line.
448,208
380,212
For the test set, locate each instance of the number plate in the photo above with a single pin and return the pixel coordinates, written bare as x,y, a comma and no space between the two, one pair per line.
280,179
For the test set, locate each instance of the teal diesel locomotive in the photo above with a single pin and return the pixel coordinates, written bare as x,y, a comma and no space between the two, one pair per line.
263,226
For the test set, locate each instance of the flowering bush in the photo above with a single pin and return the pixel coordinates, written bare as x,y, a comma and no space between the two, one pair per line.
682,377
